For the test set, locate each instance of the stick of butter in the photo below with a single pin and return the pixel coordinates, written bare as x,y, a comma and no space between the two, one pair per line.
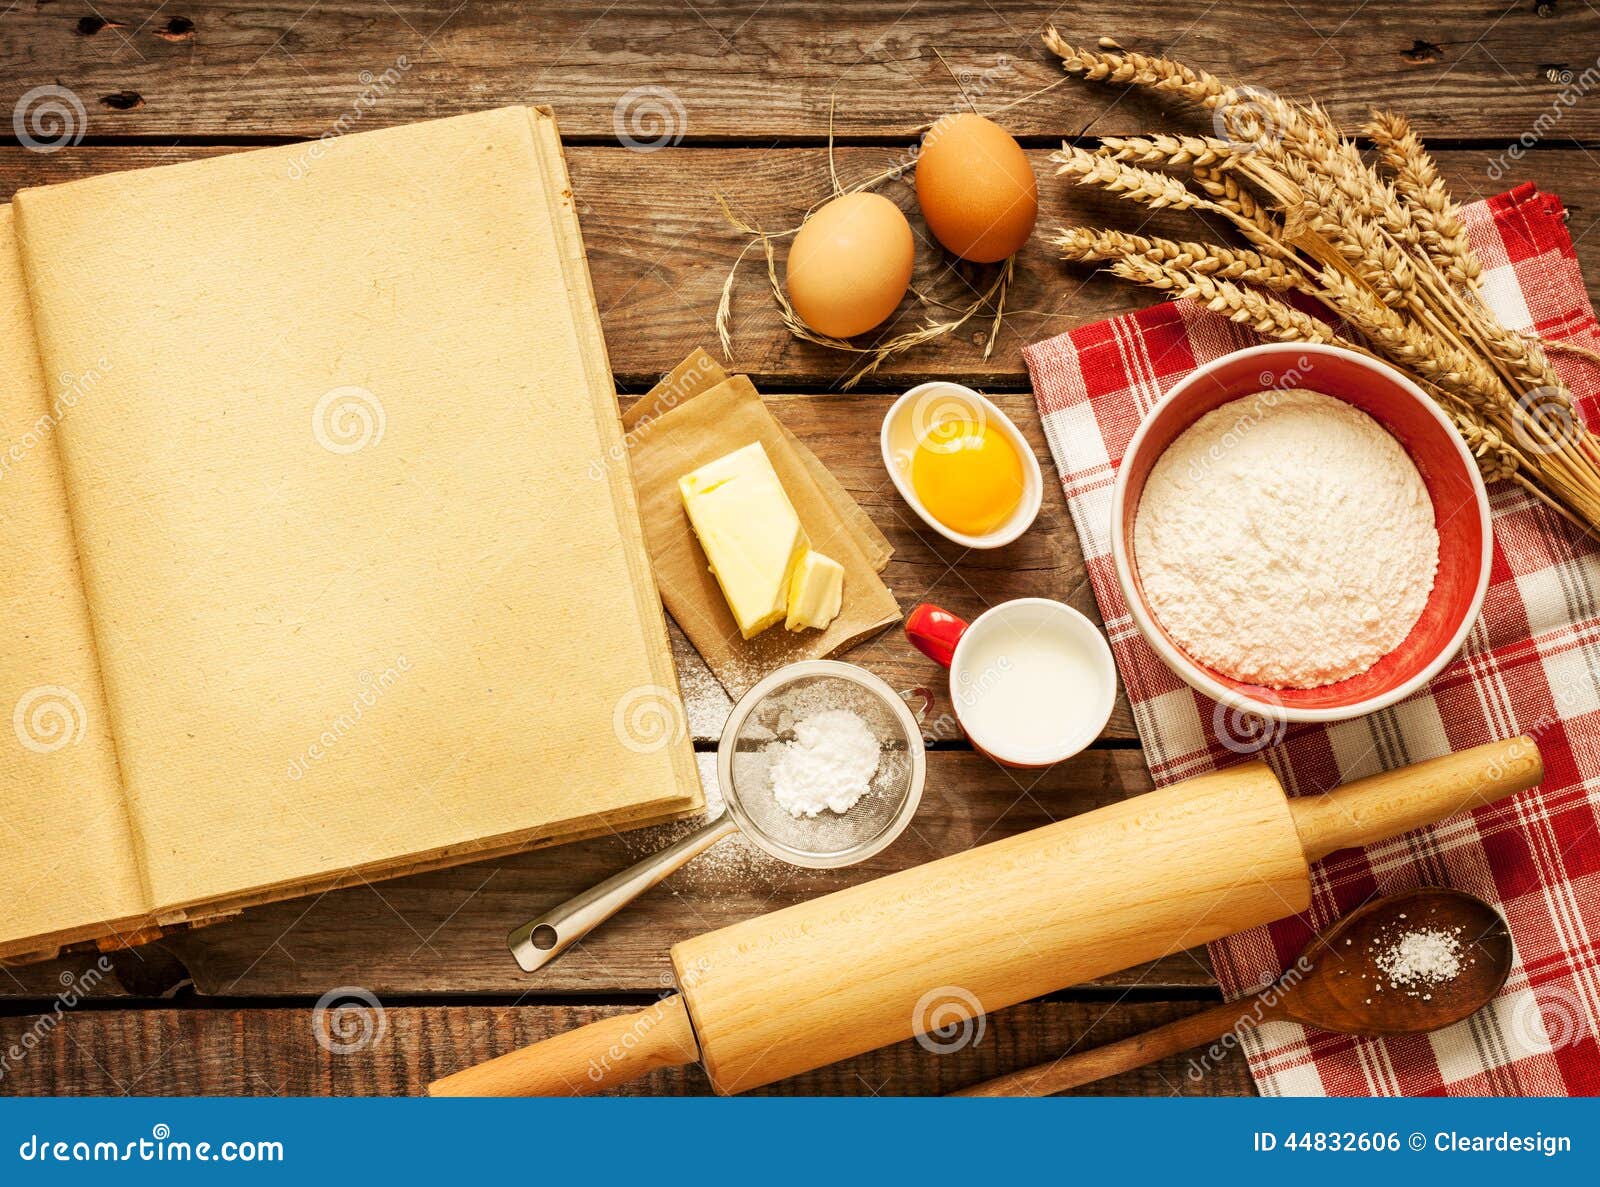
816,592
750,532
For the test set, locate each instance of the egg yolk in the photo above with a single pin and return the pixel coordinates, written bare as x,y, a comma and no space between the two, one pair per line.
967,475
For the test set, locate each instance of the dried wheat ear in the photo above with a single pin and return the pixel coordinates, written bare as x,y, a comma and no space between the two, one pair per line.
1380,245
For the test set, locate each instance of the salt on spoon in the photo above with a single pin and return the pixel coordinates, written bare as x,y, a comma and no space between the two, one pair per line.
1327,988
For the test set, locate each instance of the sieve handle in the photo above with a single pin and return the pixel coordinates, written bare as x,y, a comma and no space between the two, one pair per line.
536,943
920,701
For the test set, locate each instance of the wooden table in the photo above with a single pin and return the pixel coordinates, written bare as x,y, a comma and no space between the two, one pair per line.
748,88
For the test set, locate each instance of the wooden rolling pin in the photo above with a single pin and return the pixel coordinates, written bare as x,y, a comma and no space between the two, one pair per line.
998,924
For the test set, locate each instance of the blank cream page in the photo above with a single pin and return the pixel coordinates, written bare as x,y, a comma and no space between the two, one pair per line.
67,859
344,508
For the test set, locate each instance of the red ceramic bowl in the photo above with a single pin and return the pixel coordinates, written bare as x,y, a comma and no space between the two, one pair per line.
1460,509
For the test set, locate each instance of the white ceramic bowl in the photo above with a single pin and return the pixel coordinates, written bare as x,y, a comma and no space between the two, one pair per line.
1460,505
914,414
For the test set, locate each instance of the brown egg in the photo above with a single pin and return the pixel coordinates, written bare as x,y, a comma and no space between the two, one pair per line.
977,190
850,264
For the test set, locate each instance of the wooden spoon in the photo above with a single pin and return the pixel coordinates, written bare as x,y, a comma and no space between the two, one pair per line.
1336,985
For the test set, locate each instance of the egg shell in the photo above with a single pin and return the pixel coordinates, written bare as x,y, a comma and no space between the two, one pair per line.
850,264
977,191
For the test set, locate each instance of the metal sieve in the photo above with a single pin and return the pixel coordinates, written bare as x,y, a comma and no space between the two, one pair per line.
764,718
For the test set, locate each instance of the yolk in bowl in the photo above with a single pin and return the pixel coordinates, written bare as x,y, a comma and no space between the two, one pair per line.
967,475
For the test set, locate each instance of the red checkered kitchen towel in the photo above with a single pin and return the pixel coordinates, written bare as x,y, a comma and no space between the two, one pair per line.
1531,664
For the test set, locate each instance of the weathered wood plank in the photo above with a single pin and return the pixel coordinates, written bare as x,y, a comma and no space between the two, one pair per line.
745,69
660,251
276,1052
445,931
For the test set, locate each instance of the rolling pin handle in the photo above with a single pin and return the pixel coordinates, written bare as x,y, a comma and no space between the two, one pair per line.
1394,802
587,1060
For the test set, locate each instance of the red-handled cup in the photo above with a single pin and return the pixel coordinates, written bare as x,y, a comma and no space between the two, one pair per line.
1032,681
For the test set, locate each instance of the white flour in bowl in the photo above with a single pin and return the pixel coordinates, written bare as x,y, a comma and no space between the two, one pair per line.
1286,539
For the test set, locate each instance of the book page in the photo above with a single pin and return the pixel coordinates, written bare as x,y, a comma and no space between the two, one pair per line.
359,575
67,859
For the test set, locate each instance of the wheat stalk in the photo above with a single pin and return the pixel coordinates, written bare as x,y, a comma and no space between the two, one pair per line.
1210,259
1156,190
1224,188
1266,315
1162,149
1383,249
1418,182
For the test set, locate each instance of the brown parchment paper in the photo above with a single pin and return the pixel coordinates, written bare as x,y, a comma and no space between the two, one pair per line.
693,416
